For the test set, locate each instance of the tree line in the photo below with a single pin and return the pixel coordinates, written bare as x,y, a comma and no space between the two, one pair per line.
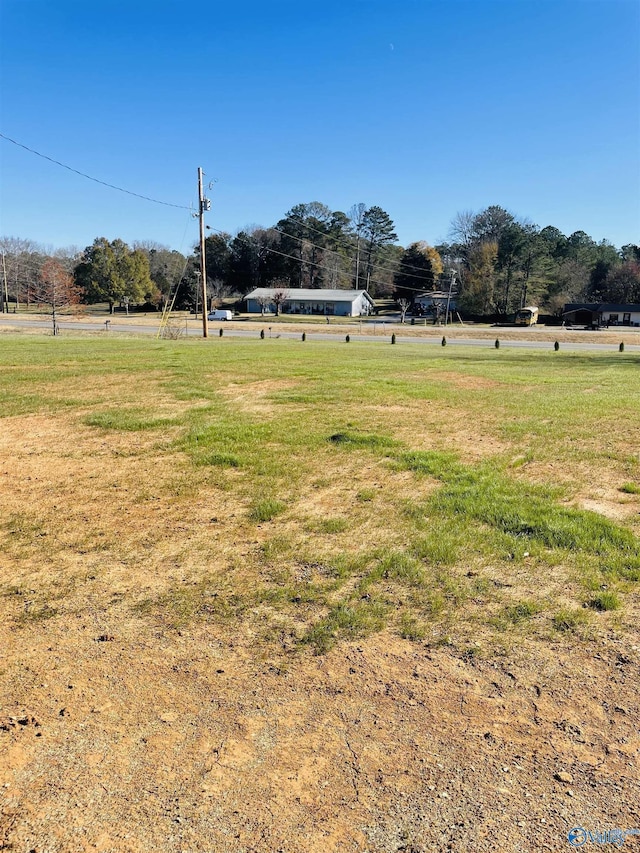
501,263
505,263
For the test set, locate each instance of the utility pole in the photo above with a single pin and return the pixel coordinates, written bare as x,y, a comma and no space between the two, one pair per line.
356,215
453,278
205,204
5,294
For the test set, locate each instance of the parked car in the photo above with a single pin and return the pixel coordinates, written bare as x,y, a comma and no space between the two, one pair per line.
219,314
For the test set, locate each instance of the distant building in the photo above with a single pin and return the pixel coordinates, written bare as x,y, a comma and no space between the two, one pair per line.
300,300
601,314
434,302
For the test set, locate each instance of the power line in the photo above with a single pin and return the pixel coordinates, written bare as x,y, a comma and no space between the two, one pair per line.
319,266
184,207
393,270
328,269
90,178
337,240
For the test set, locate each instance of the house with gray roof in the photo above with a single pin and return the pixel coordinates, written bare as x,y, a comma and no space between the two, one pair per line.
310,301
601,314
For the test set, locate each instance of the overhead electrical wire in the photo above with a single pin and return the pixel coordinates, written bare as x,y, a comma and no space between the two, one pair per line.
185,207
327,249
337,240
321,266
91,178
379,266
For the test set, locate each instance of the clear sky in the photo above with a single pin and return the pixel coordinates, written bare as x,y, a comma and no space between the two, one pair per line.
422,107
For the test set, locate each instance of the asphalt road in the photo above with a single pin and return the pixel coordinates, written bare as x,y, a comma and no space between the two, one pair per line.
194,329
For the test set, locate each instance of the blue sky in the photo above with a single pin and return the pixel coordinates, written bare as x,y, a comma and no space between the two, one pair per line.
425,108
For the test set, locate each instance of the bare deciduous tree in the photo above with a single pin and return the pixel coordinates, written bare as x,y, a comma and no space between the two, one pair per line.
55,289
217,290
404,305
280,295
462,227
264,302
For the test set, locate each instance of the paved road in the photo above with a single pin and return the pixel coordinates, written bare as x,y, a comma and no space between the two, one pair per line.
194,329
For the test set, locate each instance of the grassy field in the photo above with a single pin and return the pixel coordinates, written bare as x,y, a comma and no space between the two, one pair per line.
304,493
262,595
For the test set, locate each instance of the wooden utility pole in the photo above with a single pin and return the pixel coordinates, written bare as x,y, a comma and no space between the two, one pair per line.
5,294
204,205
451,282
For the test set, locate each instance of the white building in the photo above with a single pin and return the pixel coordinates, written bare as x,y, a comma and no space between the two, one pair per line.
301,300
599,315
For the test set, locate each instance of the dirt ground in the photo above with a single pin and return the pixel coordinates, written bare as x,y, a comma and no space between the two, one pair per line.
193,742
121,735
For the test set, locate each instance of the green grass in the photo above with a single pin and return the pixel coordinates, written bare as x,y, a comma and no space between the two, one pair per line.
605,601
521,611
330,525
411,628
220,458
440,546
399,565
449,519
566,620
346,621
362,440
129,421
266,509
520,510
630,488
622,567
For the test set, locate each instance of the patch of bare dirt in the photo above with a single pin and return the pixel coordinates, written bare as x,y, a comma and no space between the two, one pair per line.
469,383
145,741
603,496
431,425
612,509
100,508
253,396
